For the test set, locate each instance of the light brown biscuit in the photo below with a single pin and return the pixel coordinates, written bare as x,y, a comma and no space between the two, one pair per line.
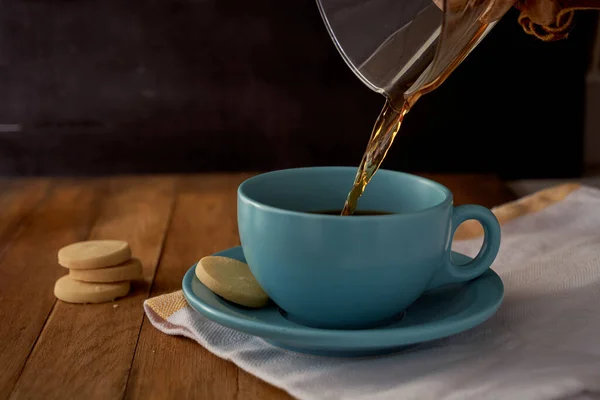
128,271
232,280
72,291
94,254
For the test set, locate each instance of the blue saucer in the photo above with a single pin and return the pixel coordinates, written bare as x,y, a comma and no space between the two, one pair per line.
436,314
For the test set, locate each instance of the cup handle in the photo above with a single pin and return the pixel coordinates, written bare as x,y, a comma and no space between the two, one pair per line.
452,273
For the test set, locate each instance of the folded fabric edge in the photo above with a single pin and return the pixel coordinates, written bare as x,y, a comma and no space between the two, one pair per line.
525,205
180,329
165,305
164,324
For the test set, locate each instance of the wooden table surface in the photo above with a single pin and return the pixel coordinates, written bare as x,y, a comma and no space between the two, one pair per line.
54,350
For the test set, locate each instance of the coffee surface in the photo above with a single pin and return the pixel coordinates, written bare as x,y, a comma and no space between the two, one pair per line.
356,213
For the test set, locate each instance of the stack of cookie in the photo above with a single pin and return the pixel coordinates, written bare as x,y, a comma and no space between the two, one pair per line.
99,271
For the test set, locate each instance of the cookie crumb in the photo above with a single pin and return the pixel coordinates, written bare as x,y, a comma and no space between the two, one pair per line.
115,305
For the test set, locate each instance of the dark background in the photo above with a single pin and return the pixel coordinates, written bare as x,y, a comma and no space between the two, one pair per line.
111,86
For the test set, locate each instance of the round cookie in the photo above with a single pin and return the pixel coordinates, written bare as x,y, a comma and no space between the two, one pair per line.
128,271
72,291
94,254
232,280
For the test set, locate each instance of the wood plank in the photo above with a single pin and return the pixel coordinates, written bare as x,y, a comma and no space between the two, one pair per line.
28,271
204,221
85,351
252,388
18,198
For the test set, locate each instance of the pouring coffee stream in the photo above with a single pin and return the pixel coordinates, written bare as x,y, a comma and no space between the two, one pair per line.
441,50
405,49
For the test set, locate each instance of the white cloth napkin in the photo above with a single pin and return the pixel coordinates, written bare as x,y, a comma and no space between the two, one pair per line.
543,343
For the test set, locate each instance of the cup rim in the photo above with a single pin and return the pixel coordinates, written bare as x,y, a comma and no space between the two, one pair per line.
449,199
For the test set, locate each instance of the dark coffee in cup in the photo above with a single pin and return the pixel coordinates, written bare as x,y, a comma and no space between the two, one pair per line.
355,214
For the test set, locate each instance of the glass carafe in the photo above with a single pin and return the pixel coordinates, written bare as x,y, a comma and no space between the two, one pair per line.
406,48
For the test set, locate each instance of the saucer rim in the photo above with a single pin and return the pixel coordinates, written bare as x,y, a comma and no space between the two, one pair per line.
384,336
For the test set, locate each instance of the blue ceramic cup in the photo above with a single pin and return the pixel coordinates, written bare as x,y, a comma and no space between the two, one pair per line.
353,272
